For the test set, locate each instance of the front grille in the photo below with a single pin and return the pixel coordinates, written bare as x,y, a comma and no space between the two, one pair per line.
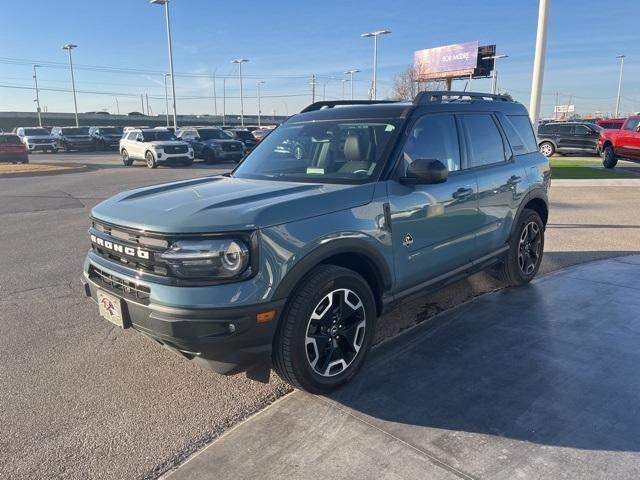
120,286
111,237
40,140
173,149
231,147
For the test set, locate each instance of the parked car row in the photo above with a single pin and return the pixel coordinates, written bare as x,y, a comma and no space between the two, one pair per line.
612,139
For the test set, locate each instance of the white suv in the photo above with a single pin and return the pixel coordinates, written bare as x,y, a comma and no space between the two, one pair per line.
154,147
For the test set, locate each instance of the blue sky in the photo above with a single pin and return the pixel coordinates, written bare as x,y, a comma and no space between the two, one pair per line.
286,41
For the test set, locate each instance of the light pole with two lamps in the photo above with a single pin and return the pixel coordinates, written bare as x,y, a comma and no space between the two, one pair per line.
240,61
350,73
170,45
375,36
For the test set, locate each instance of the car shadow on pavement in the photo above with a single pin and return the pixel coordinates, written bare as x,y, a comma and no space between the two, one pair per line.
553,363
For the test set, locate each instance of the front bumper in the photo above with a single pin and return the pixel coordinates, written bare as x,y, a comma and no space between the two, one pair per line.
173,158
14,157
35,147
226,340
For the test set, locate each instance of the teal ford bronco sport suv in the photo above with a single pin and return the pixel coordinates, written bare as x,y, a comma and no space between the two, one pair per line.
345,209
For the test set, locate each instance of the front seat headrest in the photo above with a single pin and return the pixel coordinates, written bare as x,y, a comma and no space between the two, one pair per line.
353,148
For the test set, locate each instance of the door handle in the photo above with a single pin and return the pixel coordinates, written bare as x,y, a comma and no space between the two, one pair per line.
514,179
462,193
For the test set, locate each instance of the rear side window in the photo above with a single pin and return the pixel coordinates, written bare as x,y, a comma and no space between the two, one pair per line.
484,139
546,129
582,130
565,130
10,139
632,124
519,133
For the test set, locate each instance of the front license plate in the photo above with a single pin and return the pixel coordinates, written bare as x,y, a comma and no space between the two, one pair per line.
110,308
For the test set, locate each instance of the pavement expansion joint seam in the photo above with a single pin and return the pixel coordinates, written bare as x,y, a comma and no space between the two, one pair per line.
432,457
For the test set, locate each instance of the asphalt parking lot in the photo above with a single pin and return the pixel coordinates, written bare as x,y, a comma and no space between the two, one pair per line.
81,399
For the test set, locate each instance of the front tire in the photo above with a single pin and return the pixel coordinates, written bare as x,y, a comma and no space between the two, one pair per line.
547,149
526,248
326,330
609,157
126,160
151,160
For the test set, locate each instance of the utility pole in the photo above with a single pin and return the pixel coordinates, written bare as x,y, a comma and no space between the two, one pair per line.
142,102
147,97
117,105
240,61
215,98
35,78
313,88
165,3
538,63
555,109
375,36
224,101
621,57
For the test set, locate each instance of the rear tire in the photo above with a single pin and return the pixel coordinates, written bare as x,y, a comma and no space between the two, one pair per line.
526,248
326,330
547,149
126,160
609,157
151,160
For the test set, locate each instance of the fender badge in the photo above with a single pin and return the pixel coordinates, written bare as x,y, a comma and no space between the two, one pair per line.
408,240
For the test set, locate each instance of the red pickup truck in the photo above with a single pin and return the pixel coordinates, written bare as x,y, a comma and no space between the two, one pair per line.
623,143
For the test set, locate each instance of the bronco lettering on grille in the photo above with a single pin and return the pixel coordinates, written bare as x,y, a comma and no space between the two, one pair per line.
116,247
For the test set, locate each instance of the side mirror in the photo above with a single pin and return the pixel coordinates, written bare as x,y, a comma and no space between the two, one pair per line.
138,139
425,172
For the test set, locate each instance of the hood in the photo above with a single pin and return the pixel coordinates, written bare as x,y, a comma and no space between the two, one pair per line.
78,137
168,143
219,204
221,140
37,137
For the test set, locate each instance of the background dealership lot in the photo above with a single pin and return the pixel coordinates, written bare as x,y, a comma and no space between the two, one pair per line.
83,399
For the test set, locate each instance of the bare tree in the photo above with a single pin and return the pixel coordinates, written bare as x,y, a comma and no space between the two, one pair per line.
406,85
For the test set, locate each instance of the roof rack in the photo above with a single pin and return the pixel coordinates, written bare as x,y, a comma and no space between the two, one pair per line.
446,96
339,103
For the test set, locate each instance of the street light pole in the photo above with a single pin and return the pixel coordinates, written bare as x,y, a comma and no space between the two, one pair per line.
170,45
621,57
68,47
261,82
35,79
375,36
494,75
538,63
350,73
240,61
166,98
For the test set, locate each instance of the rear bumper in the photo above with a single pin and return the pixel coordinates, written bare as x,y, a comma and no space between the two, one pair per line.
225,340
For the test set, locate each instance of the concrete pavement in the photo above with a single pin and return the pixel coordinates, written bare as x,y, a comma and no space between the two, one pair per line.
535,382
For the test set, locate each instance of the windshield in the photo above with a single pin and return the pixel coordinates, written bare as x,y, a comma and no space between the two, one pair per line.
244,134
111,130
212,134
151,135
35,131
75,131
326,152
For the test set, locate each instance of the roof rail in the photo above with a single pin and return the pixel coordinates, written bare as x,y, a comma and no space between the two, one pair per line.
339,103
445,96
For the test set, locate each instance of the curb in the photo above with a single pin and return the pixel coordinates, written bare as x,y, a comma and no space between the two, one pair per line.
66,168
614,182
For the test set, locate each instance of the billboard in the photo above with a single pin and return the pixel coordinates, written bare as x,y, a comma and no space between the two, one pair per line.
449,61
565,109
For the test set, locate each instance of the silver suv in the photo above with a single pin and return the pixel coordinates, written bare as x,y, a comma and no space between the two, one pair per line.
154,146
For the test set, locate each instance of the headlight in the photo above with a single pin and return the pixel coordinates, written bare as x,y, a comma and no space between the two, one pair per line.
213,258
156,148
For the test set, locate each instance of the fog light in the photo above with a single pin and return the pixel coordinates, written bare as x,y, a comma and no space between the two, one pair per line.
231,328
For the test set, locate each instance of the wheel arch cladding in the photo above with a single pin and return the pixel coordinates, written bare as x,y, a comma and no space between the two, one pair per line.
352,254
